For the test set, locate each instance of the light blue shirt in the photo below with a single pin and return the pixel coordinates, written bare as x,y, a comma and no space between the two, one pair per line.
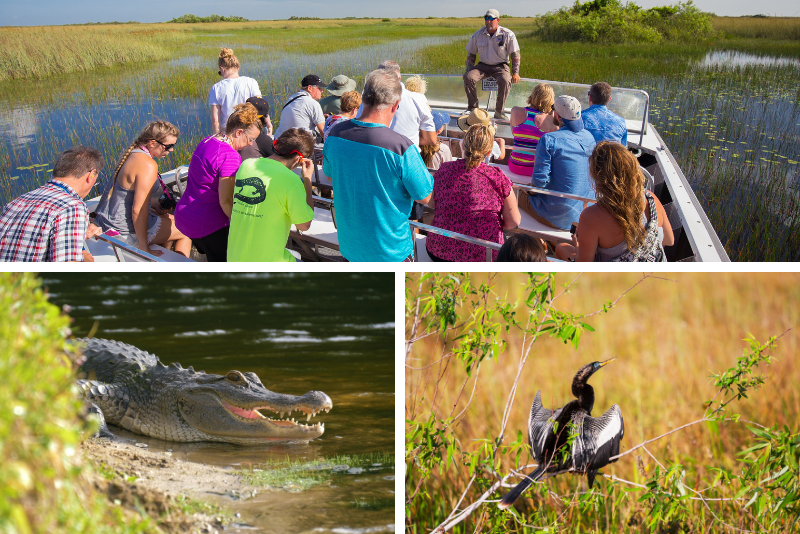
377,174
605,125
562,164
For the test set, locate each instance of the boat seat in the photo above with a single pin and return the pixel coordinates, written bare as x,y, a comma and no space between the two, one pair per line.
102,250
322,233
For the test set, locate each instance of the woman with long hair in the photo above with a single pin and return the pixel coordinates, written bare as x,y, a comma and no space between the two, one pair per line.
471,198
129,204
204,211
627,223
528,125
231,91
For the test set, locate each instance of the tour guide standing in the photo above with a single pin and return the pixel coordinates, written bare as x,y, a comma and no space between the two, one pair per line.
495,45
302,110
51,222
377,174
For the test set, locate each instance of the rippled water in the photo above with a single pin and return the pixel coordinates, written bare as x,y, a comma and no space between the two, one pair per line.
298,332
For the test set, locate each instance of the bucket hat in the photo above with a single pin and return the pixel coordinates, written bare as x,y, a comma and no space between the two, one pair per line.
340,85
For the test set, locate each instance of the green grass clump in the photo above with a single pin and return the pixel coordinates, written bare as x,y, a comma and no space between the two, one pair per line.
193,19
609,21
300,475
42,488
44,51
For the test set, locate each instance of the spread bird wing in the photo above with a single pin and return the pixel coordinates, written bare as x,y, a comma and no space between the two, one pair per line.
598,440
540,425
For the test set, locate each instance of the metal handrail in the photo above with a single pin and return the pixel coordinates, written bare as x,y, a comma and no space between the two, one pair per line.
488,245
646,95
117,244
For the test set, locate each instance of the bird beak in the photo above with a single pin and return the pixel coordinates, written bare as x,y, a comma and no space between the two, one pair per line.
607,361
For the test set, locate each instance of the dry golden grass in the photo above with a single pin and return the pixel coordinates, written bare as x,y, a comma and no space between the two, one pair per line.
759,27
668,338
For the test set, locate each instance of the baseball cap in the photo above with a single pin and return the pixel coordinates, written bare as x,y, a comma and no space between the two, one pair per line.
440,118
312,79
340,85
568,107
261,105
493,13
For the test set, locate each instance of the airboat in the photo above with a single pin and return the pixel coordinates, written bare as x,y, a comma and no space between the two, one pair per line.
695,238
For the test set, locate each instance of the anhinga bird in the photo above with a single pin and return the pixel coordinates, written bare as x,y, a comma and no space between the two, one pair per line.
596,438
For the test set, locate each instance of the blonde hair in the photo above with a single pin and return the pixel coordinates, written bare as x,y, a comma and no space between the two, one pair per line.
350,100
244,116
477,143
155,131
542,98
227,60
619,185
416,83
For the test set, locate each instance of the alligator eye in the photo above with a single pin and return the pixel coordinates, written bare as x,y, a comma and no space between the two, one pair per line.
236,377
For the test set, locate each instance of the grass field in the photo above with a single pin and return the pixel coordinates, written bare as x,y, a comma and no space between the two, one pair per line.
669,334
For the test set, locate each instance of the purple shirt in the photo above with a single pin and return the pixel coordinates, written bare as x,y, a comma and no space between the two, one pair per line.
470,203
198,212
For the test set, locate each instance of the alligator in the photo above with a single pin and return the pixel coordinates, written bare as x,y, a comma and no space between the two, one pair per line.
137,392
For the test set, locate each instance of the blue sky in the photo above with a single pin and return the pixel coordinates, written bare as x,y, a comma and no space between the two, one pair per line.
47,12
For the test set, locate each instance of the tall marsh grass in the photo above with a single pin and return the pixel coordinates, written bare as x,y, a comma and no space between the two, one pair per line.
669,334
759,27
46,50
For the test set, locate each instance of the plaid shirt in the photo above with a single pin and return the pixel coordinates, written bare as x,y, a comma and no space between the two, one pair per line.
46,224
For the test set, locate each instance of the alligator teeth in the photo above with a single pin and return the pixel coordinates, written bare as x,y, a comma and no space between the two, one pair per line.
281,415
308,417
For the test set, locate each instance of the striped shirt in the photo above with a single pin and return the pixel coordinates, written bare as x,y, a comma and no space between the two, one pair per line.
526,137
46,224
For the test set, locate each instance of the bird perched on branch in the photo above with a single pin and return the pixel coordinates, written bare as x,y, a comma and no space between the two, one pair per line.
570,438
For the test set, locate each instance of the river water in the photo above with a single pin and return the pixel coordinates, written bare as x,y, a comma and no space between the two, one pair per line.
298,332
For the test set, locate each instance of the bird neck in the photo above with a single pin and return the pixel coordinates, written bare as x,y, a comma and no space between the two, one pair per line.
585,394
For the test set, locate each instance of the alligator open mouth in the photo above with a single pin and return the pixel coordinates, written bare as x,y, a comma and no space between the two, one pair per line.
254,413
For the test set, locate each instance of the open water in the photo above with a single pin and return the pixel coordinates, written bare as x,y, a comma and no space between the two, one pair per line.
298,332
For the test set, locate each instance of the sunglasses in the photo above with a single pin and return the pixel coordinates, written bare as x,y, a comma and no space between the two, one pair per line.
487,17
275,148
166,147
249,138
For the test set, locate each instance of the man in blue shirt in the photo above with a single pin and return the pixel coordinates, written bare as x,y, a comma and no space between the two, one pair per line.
562,164
377,175
602,123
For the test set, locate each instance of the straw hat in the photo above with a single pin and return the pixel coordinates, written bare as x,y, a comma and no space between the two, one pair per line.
477,116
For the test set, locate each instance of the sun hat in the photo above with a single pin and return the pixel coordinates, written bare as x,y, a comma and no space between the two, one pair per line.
312,79
440,118
477,116
340,85
493,13
261,105
568,107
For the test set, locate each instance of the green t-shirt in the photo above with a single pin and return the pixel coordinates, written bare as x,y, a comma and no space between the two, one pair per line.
267,200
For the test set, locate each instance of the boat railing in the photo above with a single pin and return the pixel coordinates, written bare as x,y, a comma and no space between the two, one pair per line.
121,248
630,104
488,245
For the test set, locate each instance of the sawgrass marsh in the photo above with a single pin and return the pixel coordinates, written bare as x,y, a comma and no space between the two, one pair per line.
733,126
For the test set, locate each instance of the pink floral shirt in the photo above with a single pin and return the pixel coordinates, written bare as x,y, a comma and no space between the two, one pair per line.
470,203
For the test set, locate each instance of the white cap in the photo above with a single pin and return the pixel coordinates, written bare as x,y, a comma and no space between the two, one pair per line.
493,13
568,107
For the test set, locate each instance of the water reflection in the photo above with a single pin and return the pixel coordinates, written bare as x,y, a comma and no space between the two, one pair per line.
732,59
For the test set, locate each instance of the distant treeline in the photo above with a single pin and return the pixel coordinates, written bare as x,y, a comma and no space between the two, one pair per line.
609,21
191,19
